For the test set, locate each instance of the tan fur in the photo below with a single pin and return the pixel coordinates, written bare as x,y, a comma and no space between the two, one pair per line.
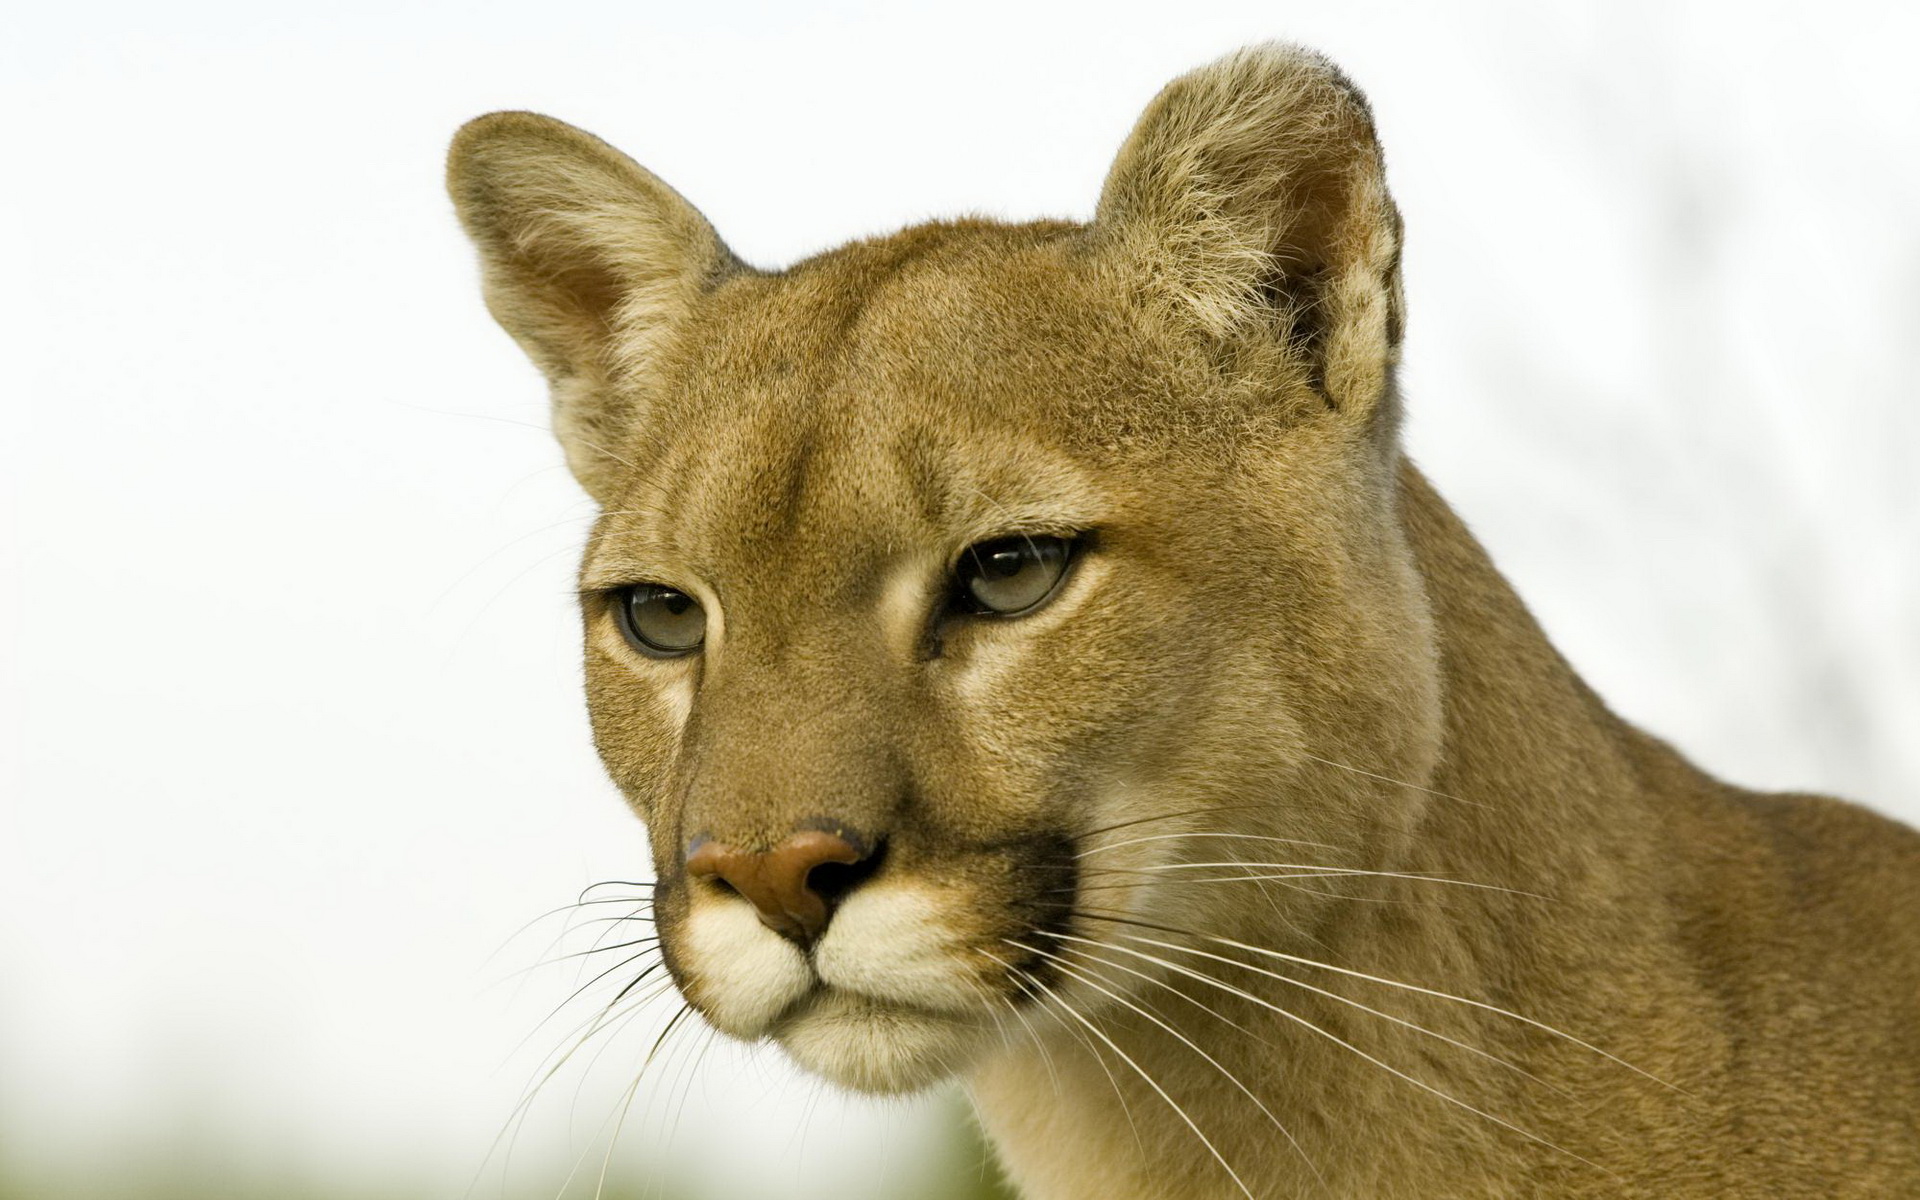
1279,647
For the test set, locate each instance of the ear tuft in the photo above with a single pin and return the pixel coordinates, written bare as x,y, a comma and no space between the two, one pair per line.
1251,200
588,260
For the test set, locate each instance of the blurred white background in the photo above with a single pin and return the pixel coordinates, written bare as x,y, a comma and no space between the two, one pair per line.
290,729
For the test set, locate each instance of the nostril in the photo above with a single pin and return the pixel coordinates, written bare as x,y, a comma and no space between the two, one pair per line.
831,881
794,886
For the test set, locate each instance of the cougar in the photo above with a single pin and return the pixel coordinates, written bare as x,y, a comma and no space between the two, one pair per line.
1037,663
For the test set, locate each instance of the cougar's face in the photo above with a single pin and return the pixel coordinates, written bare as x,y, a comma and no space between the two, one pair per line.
929,626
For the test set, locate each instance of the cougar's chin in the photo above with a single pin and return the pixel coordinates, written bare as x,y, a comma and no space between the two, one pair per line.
876,1046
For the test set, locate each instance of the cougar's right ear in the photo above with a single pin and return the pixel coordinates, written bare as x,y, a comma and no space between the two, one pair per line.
1250,203
589,261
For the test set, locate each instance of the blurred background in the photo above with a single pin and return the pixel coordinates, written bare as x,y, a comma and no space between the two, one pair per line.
291,736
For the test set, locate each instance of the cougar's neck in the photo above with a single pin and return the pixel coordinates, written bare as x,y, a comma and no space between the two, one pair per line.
1540,783
1542,795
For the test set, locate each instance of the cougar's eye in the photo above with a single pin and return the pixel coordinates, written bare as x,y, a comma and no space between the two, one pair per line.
659,621
1012,574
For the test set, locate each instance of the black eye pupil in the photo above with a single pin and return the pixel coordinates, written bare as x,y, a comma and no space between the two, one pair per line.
1005,563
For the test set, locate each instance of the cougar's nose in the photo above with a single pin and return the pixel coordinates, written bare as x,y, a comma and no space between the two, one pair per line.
793,886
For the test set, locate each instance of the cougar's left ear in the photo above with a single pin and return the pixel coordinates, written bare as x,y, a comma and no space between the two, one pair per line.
1251,202
589,261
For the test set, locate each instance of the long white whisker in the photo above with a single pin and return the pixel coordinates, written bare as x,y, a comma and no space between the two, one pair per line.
606,1160
1046,1057
1385,1066
631,1089
1230,1077
1177,837
1410,987
1152,1083
600,1022
1396,782
1265,879
630,1013
606,1026
606,1019
554,912
1310,871
688,1074
470,572
640,975
1334,996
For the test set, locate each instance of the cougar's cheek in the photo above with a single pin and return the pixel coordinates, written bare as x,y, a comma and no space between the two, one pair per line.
738,973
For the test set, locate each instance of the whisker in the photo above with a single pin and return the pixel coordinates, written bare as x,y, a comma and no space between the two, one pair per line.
554,912
1046,1057
1230,1077
470,572
1396,782
516,1119
1202,1005
632,1088
676,1094
1319,991
568,957
479,612
606,1160
628,1015
1150,1081
610,925
600,1020
472,416
1170,837
1126,1109
1308,871
1337,1040
576,993
614,924
1186,812
605,1021
634,883
1393,983
1480,1004
1273,906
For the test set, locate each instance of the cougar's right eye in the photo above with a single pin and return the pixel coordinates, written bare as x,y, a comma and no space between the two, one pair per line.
1011,575
660,622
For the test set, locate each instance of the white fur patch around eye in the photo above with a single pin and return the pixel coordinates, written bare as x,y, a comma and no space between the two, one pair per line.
744,974
897,943
904,599
677,698
980,674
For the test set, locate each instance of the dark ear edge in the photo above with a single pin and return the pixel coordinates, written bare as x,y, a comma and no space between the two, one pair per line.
588,260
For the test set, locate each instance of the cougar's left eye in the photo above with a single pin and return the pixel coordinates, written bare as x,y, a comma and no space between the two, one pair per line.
659,621
1010,575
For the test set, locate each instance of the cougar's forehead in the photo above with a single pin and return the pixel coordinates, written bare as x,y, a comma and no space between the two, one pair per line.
885,400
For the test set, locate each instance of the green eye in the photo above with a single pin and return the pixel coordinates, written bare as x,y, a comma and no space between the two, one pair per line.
1010,575
659,621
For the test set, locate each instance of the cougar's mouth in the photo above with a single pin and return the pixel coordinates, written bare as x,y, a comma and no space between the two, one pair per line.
911,980
875,1045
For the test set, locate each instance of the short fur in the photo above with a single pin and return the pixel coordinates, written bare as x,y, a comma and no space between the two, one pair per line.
1279,651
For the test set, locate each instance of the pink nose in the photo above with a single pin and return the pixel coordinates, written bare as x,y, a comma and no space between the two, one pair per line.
781,883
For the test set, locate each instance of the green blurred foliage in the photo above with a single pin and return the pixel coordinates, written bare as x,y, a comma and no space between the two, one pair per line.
964,1171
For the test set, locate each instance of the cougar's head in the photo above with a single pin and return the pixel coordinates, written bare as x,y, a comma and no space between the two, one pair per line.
954,593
